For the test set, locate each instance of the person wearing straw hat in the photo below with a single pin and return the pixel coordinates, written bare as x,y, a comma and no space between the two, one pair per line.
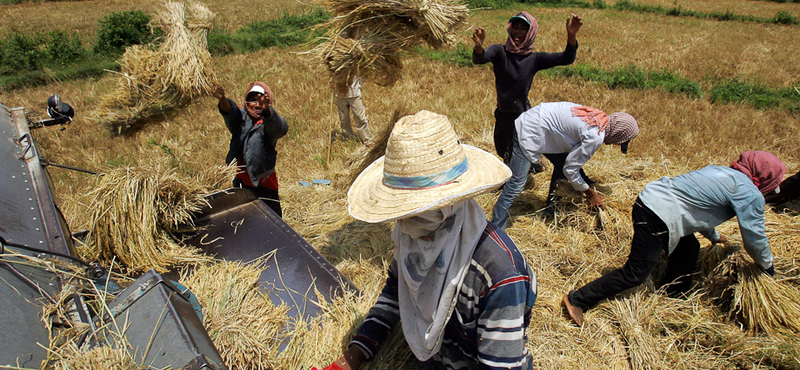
669,211
514,64
568,135
459,285
255,130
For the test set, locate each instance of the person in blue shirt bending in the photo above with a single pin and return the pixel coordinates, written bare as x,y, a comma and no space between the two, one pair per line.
669,211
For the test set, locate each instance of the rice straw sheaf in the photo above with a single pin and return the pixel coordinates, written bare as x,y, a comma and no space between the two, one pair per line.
634,317
71,357
154,80
134,210
758,301
245,326
366,38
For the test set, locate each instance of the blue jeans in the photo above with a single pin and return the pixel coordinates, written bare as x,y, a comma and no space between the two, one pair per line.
520,166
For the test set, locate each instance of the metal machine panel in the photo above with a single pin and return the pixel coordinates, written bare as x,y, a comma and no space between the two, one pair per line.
28,214
161,326
28,217
239,227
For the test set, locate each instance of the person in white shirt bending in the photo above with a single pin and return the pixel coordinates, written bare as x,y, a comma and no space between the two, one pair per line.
567,134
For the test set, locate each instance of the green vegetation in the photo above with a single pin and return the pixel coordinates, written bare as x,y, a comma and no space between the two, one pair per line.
756,95
632,77
461,55
119,30
285,31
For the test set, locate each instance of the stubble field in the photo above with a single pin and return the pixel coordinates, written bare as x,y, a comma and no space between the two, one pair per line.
678,134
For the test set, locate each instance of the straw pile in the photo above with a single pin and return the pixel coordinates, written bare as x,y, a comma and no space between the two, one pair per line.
135,210
117,358
366,37
155,80
245,326
248,329
749,296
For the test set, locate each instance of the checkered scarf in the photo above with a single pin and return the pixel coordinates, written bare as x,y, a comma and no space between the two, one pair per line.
764,168
622,127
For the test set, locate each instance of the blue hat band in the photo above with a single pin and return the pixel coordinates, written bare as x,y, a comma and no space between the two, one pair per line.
427,181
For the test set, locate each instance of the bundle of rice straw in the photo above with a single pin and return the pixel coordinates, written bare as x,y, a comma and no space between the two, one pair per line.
245,326
97,358
633,316
134,210
755,299
153,81
366,37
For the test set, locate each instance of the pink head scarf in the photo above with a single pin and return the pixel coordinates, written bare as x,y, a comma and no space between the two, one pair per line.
764,168
526,47
267,91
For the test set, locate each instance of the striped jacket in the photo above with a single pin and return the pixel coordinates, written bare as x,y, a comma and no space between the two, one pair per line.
487,328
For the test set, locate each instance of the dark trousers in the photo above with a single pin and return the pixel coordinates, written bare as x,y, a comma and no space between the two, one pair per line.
504,133
650,239
558,174
268,196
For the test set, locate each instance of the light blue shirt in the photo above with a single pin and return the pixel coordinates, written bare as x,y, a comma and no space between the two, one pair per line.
700,200
550,128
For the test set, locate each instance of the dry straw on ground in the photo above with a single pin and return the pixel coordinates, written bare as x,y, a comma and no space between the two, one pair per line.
366,37
135,210
154,80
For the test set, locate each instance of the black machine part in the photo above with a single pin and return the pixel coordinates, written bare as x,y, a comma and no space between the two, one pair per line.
161,326
236,226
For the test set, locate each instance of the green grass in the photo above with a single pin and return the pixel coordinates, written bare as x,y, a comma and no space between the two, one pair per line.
461,55
632,77
756,95
285,31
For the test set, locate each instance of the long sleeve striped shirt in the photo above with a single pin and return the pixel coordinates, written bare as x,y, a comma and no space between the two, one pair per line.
487,328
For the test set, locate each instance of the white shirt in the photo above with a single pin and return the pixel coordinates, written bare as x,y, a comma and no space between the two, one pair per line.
550,128
355,88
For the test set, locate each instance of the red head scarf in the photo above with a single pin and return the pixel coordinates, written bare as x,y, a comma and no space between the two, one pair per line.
764,168
526,47
267,92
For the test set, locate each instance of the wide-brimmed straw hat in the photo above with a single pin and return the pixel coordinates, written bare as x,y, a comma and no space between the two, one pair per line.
425,167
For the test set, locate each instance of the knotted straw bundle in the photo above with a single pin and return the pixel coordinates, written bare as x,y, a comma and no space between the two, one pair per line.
153,81
377,32
755,299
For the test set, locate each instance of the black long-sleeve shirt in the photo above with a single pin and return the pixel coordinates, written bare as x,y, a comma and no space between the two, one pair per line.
514,73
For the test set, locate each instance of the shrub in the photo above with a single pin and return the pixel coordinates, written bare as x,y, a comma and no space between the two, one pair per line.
783,17
119,30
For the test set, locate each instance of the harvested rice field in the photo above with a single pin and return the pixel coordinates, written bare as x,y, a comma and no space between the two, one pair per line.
733,318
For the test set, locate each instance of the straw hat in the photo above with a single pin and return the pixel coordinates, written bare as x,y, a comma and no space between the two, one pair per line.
425,167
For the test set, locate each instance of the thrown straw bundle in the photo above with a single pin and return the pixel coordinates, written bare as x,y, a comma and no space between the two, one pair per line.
135,210
757,300
155,80
366,37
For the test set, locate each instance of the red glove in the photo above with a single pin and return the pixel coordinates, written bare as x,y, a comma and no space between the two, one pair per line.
332,366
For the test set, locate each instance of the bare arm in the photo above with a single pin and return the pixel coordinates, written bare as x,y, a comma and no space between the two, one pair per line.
224,105
478,36
574,24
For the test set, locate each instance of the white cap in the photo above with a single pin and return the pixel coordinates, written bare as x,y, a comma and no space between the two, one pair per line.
258,89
